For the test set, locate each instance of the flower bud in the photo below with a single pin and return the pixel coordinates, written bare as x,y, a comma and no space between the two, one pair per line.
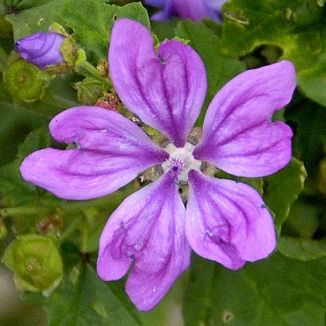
24,81
36,262
41,49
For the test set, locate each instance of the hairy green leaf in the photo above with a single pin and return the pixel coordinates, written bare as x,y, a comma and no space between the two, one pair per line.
278,291
88,302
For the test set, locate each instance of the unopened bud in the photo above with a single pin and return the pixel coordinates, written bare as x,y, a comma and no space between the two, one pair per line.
41,49
36,263
24,81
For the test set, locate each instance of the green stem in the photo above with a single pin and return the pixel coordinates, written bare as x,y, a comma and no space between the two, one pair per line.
4,212
86,69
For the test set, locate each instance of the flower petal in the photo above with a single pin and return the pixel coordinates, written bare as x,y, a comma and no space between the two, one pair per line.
227,221
192,9
238,135
148,230
111,151
166,90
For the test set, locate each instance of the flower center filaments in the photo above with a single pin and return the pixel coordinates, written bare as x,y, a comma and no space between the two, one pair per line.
181,161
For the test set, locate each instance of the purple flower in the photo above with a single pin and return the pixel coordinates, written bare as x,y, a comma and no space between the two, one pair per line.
152,232
41,49
192,9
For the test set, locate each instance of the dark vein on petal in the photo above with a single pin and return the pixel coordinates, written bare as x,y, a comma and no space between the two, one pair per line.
254,152
235,135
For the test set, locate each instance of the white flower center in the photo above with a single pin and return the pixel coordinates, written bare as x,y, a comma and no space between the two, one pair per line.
181,161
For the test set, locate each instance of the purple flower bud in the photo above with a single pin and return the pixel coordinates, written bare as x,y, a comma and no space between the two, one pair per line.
41,49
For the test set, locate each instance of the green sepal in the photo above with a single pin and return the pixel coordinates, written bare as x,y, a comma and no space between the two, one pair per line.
57,28
69,50
89,90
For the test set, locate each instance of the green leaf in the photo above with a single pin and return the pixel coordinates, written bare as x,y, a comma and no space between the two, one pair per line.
220,68
283,188
164,29
93,34
15,123
290,24
312,81
278,291
198,293
88,302
15,191
296,27
25,4
303,219
309,119
33,19
133,11
302,249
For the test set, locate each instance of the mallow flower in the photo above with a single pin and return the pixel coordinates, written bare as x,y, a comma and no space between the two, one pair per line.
152,232
187,9
41,49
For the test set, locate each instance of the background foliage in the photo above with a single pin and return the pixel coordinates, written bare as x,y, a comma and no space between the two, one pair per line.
289,288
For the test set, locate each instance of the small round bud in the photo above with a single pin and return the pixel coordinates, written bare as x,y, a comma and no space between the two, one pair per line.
24,81
41,49
36,262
